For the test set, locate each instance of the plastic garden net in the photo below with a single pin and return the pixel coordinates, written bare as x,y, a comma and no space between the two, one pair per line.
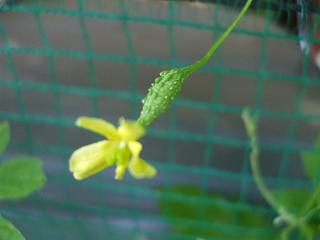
63,59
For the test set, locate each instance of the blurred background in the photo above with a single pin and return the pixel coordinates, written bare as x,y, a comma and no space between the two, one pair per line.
62,59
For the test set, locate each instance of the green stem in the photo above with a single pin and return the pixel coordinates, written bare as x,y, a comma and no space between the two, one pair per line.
251,128
307,232
286,233
310,203
221,39
308,214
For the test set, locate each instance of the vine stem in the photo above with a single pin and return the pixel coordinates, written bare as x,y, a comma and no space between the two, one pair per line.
251,128
286,233
311,201
221,39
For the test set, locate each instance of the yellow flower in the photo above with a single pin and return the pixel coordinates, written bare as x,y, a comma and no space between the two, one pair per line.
121,149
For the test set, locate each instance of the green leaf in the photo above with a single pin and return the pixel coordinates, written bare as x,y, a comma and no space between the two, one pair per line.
311,162
162,92
4,136
8,231
212,216
312,226
292,199
20,177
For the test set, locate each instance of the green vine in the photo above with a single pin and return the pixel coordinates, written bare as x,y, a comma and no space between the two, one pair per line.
293,221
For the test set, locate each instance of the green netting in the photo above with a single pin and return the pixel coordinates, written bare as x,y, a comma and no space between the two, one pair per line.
62,59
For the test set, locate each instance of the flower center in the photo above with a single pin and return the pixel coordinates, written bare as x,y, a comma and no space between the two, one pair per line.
122,144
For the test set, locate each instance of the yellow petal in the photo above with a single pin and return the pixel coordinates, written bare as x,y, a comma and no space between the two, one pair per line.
91,159
130,130
135,148
120,171
141,169
99,126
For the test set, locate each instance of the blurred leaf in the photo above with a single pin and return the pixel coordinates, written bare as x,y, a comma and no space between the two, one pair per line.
313,224
311,162
4,136
8,231
20,177
211,216
293,199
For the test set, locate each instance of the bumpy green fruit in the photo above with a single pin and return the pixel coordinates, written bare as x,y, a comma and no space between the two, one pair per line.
162,92
168,85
